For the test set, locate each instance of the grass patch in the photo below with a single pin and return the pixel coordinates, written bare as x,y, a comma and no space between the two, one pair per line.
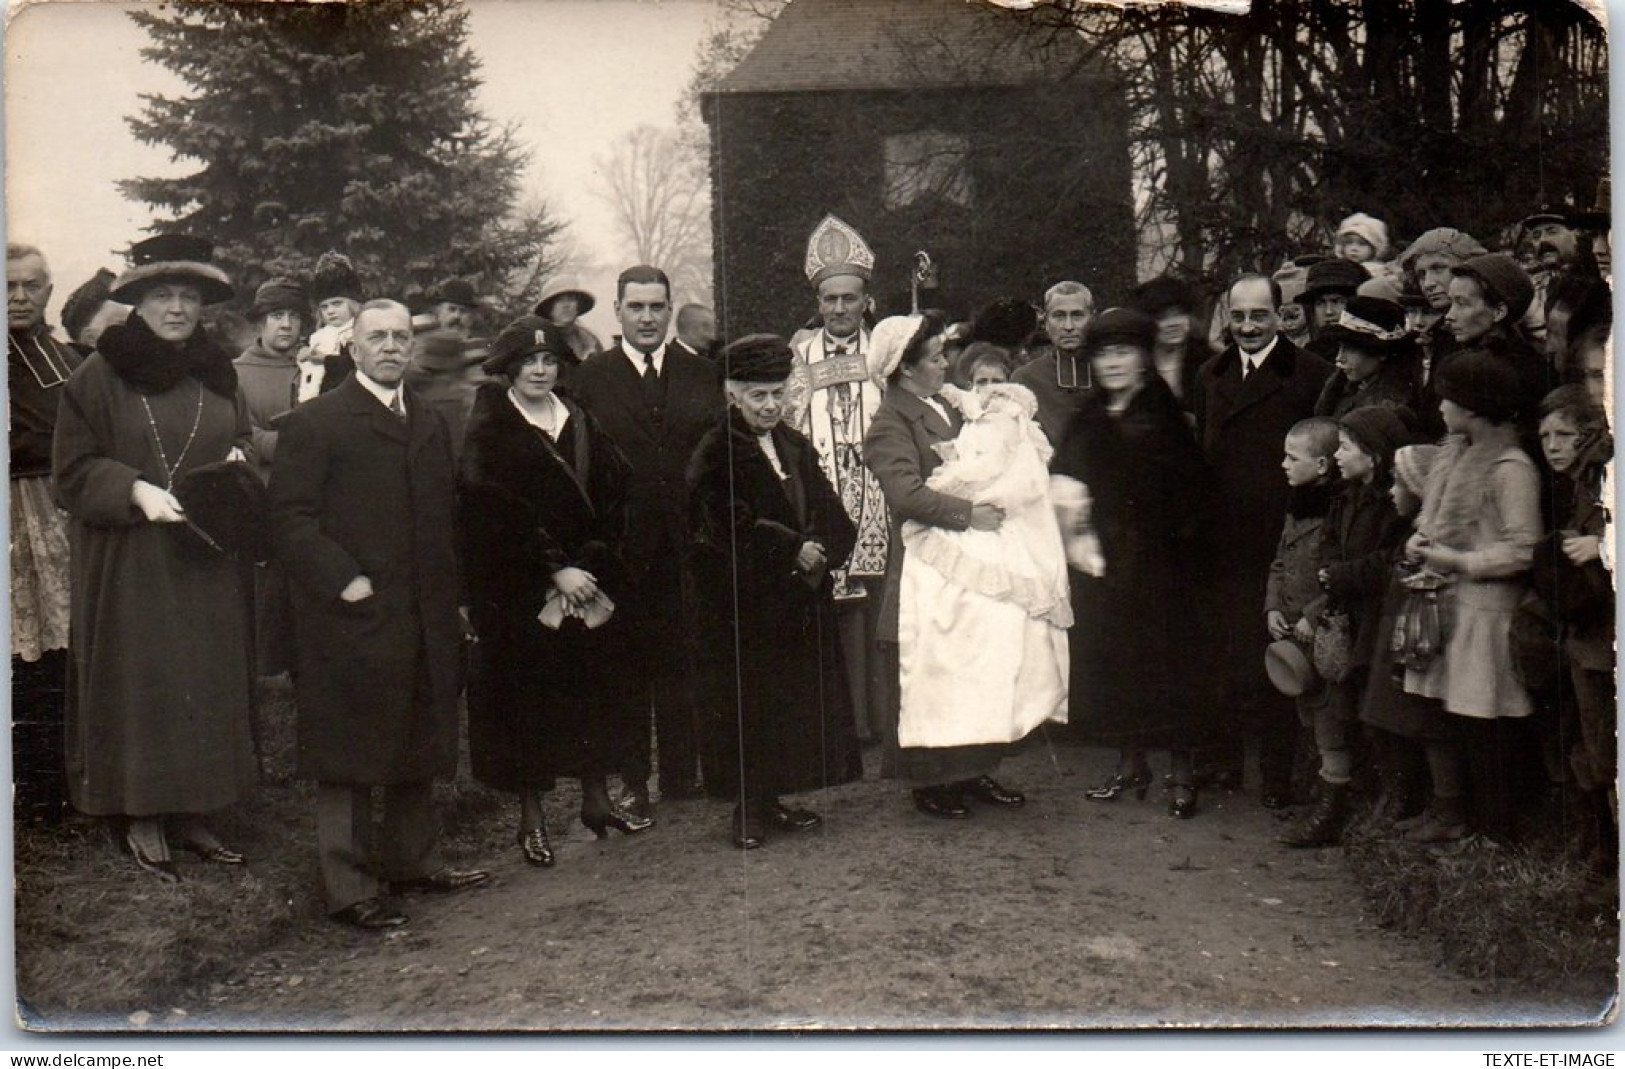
1527,913
95,936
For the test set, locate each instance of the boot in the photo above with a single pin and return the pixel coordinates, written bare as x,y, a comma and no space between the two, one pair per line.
1323,826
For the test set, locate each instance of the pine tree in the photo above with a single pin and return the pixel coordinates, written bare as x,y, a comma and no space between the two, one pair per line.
347,126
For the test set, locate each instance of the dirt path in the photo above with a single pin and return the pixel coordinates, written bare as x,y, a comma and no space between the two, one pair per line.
1065,913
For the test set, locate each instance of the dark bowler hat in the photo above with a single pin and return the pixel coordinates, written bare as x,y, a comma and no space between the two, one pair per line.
757,358
172,258
1332,276
279,295
1371,323
524,336
454,291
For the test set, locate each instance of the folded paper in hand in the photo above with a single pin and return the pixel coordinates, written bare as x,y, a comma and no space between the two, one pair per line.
594,614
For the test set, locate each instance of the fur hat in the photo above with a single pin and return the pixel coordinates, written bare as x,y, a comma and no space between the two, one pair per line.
454,291
564,288
1372,229
1503,280
1332,276
1441,241
1481,382
1120,326
524,336
757,358
334,276
1377,430
1411,466
279,295
172,257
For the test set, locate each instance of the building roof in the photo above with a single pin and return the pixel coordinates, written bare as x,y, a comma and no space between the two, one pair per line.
824,45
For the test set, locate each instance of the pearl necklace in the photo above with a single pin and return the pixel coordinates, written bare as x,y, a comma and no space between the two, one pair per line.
163,458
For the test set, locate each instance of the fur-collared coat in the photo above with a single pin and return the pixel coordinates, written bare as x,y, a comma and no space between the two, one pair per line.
769,646
355,491
539,699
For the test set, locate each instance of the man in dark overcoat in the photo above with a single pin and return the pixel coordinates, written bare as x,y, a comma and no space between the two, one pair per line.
656,403
364,496
1247,398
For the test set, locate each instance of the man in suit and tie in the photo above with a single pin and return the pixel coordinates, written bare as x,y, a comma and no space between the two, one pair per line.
655,402
1247,398
696,331
363,493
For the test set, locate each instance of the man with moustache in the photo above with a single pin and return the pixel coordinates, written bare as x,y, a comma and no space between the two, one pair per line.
830,398
655,403
1058,373
37,367
363,498
1247,398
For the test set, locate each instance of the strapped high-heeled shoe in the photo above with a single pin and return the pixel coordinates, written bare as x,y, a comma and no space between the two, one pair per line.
1138,781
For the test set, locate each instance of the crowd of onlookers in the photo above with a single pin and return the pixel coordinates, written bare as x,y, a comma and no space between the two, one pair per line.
1360,509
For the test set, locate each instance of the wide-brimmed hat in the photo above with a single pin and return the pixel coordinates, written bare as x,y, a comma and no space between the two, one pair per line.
1289,668
757,358
279,295
1503,280
524,336
565,288
173,257
1374,324
1332,276
454,291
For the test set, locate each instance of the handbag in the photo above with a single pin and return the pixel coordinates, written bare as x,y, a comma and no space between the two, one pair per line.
1331,651
227,512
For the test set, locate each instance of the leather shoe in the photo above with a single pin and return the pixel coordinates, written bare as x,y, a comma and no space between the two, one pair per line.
940,802
784,818
987,789
370,914
443,882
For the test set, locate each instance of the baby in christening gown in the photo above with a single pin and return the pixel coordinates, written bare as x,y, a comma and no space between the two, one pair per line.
982,614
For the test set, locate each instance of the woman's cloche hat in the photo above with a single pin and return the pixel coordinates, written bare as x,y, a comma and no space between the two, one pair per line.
564,288
177,257
524,336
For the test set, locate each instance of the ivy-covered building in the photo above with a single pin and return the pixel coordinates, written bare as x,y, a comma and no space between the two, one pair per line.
950,126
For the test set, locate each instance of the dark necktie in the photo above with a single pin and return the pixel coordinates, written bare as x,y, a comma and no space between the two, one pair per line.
396,407
651,381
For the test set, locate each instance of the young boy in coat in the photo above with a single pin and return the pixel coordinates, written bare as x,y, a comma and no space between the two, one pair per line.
1293,585
1361,530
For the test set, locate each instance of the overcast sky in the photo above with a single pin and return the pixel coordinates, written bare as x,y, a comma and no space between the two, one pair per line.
573,74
